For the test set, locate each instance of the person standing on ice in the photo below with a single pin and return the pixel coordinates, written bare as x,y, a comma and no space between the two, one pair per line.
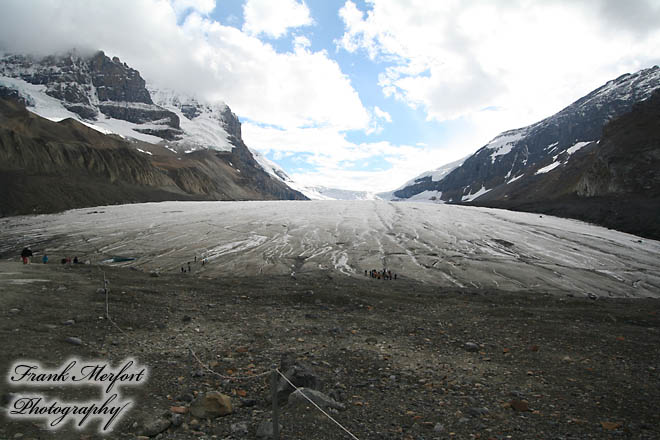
25,255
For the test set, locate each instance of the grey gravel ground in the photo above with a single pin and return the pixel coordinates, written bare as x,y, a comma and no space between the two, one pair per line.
408,360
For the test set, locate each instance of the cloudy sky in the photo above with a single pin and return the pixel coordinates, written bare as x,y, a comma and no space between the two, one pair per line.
359,94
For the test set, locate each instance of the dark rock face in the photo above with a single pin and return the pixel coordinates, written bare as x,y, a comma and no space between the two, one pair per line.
420,185
615,183
50,166
139,114
628,159
517,152
115,81
170,134
13,95
88,86
190,111
231,123
113,170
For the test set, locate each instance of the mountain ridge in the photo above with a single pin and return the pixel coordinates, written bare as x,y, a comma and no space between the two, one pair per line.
98,110
514,152
614,182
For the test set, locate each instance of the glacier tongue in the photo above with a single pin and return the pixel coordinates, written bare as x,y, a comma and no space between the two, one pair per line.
444,245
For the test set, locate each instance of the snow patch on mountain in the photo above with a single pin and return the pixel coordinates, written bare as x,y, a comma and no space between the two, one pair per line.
503,143
470,197
439,173
40,103
548,168
514,179
577,146
201,124
427,197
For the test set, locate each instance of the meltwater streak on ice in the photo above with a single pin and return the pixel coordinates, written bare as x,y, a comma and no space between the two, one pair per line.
445,245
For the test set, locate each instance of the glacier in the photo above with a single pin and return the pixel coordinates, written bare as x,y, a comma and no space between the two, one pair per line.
445,245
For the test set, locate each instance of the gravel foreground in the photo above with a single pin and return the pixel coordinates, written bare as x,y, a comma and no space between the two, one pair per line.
405,360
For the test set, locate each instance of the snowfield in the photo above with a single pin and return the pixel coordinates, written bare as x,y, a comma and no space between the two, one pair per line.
445,245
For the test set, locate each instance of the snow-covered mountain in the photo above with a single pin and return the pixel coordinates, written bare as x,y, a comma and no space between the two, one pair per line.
109,96
311,192
518,155
429,176
193,148
204,125
325,193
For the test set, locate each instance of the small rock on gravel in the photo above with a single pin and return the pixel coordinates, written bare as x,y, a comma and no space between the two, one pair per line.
155,427
73,340
471,346
299,375
520,405
265,429
477,412
239,428
186,397
297,398
177,420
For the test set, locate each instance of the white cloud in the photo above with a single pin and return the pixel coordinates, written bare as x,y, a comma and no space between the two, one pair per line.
528,59
382,114
294,89
521,60
274,17
300,41
299,92
331,155
200,55
201,6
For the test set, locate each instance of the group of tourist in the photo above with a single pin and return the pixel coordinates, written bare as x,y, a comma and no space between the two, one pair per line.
188,269
380,274
27,253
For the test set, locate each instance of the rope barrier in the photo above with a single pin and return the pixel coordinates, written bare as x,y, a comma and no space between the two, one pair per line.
199,361
227,377
107,311
317,407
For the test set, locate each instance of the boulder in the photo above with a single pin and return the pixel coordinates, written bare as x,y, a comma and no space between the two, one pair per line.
155,427
211,405
301,377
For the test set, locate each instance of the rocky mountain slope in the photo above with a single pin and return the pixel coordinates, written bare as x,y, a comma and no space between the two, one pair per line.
410,190
614,182
518,154
103,138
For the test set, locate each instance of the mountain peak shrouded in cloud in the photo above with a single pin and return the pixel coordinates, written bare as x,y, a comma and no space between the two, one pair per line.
362,95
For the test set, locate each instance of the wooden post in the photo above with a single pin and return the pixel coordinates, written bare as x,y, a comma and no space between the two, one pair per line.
276,416
105,290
